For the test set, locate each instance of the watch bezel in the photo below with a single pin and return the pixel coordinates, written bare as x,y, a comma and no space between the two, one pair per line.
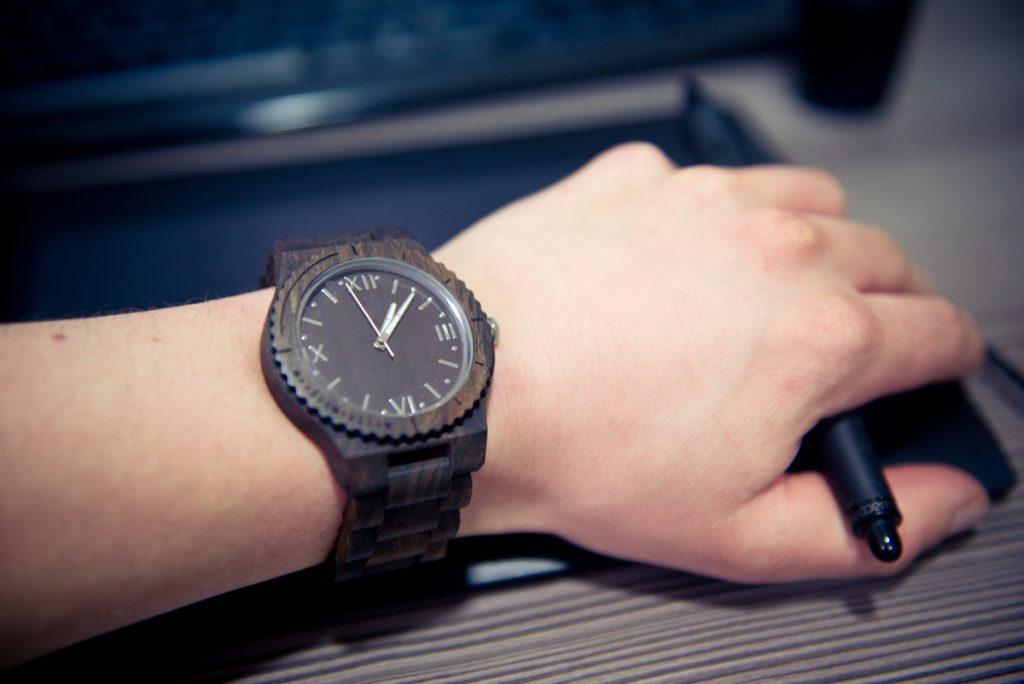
287,355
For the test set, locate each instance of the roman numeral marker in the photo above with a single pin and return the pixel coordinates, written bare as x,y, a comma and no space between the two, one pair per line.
400,405
445,332
360,282
318,353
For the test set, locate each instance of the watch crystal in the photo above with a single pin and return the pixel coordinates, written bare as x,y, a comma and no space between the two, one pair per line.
381,337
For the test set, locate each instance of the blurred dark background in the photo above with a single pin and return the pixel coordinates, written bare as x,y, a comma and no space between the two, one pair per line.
153,150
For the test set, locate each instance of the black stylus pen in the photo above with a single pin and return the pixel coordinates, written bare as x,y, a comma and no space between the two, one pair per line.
849,462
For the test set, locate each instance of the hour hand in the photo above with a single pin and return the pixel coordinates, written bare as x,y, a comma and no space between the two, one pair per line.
387,318
391,322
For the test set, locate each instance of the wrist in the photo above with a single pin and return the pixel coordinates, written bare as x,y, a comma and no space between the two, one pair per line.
508,495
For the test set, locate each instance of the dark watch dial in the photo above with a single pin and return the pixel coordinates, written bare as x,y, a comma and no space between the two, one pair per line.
383,338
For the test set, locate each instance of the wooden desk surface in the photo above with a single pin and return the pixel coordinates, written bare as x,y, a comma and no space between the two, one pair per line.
943,170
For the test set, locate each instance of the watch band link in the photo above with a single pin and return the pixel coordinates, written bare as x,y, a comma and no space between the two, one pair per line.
409,522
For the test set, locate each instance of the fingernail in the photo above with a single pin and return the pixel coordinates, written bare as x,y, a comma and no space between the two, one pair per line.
968,517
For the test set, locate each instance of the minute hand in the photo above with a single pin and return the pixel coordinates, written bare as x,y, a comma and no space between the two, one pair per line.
386,330
369,320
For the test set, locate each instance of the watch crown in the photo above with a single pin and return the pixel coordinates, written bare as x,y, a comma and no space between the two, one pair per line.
494,328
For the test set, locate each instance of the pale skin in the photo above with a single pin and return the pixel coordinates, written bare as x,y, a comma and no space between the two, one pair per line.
668,336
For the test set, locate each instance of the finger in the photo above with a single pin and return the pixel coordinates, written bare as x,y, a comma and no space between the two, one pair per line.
793,188
915,340
870,258
795,529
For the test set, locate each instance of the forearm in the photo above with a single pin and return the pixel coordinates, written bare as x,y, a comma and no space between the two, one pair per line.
143,466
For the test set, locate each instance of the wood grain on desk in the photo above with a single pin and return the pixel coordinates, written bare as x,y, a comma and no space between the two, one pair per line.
953,617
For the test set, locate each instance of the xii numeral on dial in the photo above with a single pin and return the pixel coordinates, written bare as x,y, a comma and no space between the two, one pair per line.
361,282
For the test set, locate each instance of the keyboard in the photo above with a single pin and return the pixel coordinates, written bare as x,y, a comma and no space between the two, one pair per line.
79,77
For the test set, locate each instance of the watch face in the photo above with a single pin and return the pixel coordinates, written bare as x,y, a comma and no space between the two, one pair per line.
382,338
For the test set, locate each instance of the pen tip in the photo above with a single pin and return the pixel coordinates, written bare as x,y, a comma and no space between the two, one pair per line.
884,540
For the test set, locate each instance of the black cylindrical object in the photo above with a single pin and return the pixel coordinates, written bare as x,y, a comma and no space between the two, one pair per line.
852,468
848,50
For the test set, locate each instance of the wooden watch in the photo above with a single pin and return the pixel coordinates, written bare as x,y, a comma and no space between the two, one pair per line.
383,358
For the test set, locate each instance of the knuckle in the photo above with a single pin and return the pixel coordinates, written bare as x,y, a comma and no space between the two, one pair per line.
827,339
781,236
882,241
643,153
854,333
835,189
889,246
713,183
625,167
884,238
968,350
951,318
635,156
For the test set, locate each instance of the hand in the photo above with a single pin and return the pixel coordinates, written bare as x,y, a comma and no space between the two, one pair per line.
369,320
718,316
388,316
391,321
